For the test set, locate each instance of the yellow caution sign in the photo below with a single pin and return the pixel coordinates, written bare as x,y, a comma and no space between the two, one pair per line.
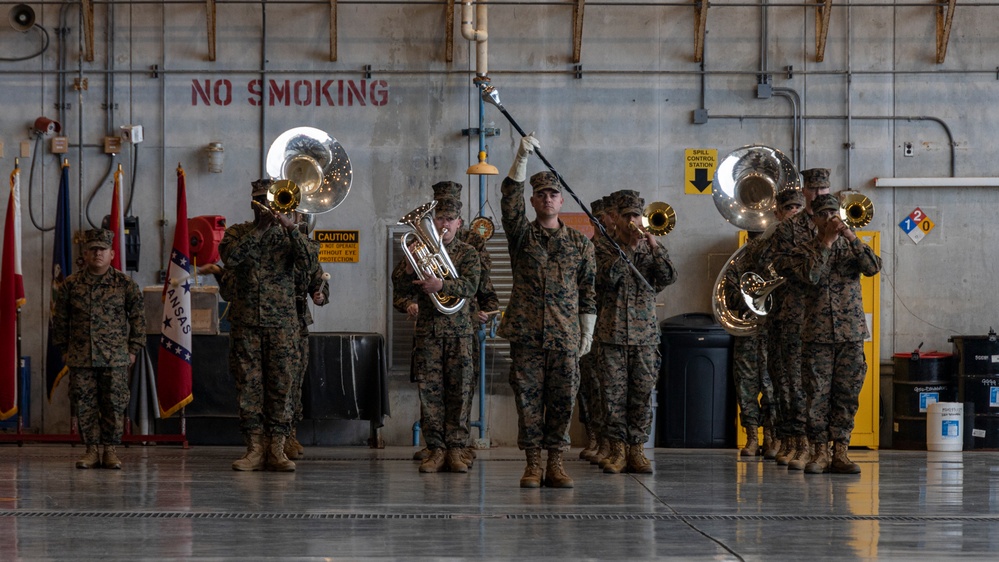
699,170
338,246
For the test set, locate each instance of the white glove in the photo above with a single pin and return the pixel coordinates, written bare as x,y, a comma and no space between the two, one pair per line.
586,324
518,171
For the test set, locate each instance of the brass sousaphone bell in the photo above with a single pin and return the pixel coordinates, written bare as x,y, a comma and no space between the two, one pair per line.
311,170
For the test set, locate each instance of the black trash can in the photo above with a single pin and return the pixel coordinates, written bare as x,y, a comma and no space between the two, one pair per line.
695,392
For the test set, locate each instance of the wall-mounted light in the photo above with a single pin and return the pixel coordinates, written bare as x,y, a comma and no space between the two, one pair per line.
215,157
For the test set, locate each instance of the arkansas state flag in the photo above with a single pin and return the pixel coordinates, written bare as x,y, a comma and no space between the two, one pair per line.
173,381
62,265
11,297
117,224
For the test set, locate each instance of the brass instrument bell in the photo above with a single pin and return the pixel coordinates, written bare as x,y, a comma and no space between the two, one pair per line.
283,196
659,218
856,210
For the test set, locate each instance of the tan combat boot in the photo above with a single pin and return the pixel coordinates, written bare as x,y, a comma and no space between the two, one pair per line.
110,459
276,459
841,463
455,461
421,455
292,448
468,456
618,459
820,459
533,472
770,445
555,476
592,446
637,462
603,453
790,448
434,462
752,447
802,457
255,454
90,459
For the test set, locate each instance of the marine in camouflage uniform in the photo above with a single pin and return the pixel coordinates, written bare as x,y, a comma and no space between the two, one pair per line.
99,323
589,400
308,285
783,323
262,257
553,276
443,364
754,388
833,333
629,335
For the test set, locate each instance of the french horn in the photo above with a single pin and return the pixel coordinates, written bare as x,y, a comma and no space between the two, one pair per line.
746,184
314,163
429,257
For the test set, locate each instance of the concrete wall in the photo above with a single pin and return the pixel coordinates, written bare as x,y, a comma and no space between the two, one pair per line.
625,123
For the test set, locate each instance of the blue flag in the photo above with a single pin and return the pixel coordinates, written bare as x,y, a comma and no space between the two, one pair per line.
62,262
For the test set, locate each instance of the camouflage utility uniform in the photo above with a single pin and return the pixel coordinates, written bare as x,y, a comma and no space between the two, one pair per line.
265,335
783,325
99,321
629,336
833,331
754,391
485,300
553,276
306,283
442,358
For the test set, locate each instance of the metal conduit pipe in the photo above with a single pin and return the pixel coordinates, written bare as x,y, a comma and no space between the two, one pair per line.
941,122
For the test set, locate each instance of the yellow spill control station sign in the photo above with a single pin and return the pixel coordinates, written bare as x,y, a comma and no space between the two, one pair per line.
699,166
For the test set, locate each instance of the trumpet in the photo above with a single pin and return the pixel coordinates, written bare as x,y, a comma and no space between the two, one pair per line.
657,218
856,210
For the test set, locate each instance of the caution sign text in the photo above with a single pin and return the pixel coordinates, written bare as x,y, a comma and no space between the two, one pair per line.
338,246
699,170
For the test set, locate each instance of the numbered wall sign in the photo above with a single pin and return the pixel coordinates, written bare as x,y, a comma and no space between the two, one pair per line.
917,225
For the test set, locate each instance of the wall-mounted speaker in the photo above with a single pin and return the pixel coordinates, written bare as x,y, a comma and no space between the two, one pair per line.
21,17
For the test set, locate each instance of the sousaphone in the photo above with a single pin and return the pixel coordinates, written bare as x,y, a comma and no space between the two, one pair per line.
311,170
745,189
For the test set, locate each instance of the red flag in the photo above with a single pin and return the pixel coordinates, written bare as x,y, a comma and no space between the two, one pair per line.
173,380
117,223
11,298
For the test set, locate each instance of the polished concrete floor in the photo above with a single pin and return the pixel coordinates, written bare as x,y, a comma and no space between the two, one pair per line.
357,503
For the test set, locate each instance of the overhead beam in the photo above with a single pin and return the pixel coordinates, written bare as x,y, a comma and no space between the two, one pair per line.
449,32
87,7
822,13
700,26
945,17
577,31
333,33
210,17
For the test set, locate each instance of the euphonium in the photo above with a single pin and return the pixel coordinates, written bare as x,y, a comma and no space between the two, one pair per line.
428,257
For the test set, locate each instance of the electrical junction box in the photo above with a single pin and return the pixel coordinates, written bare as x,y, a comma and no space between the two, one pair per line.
131,133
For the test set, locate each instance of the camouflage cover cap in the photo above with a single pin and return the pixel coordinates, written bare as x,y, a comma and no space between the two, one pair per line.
545,180
790,196
628,201
98,238
260,186
445,189
825,202
816,178
448,207
597,207
609,203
